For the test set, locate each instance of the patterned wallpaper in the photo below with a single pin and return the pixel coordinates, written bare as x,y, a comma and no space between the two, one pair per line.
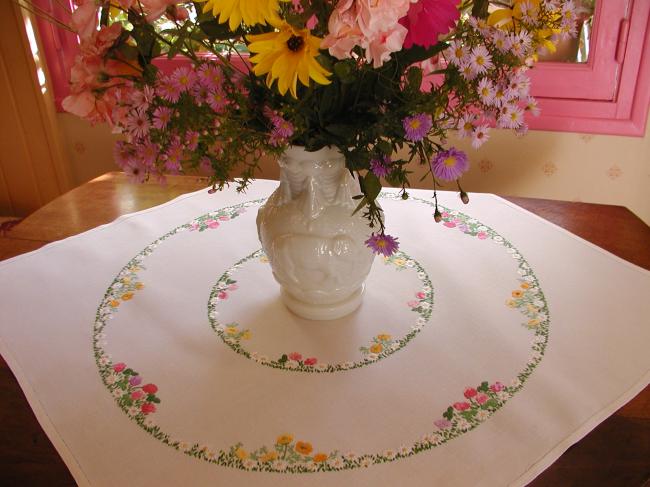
555,165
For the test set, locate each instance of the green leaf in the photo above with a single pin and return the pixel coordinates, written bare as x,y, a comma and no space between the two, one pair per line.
283,359
449,413
483,387
468,414
361,204
414,76
154,399
344,70
384,147
371,186
129,372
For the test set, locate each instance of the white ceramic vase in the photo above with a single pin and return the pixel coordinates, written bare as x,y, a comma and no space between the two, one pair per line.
315,246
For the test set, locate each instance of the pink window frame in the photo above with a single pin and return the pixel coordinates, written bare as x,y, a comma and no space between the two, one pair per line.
610,94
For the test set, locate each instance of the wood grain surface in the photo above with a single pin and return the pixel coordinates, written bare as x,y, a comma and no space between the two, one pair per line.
614,454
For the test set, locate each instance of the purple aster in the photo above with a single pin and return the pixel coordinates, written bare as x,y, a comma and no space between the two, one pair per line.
417,126
381,167
449,164
382,244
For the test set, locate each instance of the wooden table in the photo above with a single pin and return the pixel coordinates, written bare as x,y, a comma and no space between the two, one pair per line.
615,454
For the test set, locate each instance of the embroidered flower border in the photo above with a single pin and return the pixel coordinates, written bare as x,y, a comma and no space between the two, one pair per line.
232,335
289,456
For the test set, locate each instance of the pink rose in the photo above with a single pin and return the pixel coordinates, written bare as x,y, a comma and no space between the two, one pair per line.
135,395
482,235
420,295
481,398
222,295
470,392
295,356
413,304
148,407
224,218
311,361
449,224
119,367
461,406
497,387
135,380
150,388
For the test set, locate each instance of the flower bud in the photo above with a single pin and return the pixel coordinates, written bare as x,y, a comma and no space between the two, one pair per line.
463,197
405,195
437,216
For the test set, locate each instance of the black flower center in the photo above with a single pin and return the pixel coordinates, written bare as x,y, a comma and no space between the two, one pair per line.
295,43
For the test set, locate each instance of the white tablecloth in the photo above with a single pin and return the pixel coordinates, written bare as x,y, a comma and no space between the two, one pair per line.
155,350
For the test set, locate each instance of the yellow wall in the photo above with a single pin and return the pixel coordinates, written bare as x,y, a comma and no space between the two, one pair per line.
566,166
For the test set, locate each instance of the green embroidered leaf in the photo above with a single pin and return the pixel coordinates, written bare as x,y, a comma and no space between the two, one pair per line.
483,387
449,413
469,414
130,372
490,404
283,359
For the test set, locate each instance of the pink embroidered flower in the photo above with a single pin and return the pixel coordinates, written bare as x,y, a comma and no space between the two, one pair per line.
212,223
310,361
470,392
413,304
442,423
497,387
295,356
232,287
420,295
225,219
119,367
150,388
482,235
222,295
481,398
135,380
427,19
135,395
461,406
148,407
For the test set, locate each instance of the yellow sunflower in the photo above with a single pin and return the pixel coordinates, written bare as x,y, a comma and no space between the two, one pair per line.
288,55
250,11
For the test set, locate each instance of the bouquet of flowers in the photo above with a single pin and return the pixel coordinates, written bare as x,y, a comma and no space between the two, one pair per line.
373,78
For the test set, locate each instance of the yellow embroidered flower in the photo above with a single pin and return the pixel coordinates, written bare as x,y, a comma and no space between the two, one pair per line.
127,296
284,439
288,56
139,285
525,285
517,294
252,12
303,447
533,322
399,262
241,453
231,330
269,457
126,280
114,303
383,337
376,348
246,335
511,304
320,457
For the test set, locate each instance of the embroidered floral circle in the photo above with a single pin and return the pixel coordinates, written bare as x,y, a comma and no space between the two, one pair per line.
378,347
474,403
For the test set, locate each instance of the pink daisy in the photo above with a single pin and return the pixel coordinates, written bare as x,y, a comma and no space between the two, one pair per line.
480,60
167,91
480,135
417,126
382,244
210,76
183,79
137,124
161,117
486,91
449,164
217,101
